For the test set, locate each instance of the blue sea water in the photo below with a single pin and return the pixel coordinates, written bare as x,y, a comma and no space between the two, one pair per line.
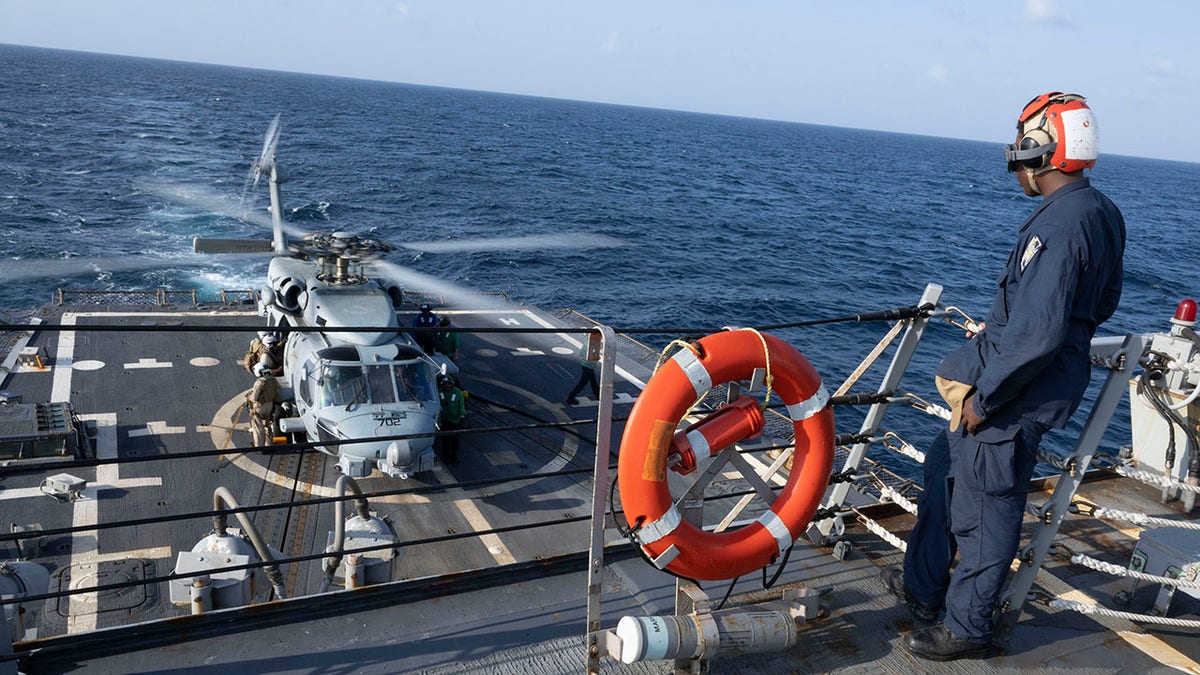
727,221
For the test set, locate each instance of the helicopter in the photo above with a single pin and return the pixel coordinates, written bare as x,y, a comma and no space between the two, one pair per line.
343,384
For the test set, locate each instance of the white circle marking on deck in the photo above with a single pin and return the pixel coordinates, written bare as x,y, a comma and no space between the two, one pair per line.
204,361
563,350
487,352
88,365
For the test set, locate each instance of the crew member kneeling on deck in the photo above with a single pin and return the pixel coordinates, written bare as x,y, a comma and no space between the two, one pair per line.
1022,375
454,409
262,402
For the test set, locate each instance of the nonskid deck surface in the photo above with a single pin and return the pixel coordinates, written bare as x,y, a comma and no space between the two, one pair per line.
153,394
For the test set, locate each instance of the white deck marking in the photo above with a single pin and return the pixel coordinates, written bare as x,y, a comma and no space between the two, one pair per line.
158,428
85,552
577,344
204,362
149,363
89,364
60,390
21,493
526,351
495,546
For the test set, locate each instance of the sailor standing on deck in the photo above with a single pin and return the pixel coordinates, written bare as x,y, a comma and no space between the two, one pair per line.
587,377
1024,374
262,402
454,410
426,319
447,341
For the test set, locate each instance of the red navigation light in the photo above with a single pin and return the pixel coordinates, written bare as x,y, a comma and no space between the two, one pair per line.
1185,312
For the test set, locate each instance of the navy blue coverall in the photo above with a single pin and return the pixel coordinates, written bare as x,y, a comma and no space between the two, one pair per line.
426,319
1030,368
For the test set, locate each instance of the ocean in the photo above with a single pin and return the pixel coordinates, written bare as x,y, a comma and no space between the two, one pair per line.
725,221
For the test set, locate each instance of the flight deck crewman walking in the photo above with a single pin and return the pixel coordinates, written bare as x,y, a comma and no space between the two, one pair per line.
1022,375
262,402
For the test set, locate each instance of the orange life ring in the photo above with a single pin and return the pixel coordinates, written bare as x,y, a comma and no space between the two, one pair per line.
651,433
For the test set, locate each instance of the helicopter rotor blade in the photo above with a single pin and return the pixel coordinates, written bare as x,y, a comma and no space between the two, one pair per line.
271,139
43,268
567,240
207,200
455,294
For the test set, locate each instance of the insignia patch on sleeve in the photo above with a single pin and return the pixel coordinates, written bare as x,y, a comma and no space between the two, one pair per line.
1031,250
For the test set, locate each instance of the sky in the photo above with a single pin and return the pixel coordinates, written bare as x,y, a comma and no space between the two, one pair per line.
953,68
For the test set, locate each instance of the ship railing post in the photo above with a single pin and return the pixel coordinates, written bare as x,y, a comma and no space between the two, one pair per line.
819,532
1122,355
607,349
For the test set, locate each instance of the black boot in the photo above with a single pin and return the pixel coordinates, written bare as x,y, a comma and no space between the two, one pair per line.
894,580
937,643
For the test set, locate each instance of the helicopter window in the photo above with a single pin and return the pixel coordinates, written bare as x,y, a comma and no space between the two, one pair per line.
308,384
343,385
414,383
379,379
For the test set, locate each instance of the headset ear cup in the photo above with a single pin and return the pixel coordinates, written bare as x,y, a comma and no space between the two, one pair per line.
1029,143
1037,138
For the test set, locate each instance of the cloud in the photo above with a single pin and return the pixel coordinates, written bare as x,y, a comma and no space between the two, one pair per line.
1047,12
400,9
938,73
610,42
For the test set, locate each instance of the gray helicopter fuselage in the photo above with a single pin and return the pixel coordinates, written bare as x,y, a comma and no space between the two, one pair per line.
349,384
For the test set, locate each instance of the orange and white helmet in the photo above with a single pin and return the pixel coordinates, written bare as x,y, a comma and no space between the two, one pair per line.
1057,132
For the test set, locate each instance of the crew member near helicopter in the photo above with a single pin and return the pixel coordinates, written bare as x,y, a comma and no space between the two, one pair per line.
1020,376
262,403
446,341
266,348
454,409
426,319
587,376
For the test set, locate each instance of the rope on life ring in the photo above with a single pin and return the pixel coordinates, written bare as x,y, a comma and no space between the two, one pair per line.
651,445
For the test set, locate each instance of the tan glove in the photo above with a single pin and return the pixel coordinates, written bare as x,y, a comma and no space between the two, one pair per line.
955,394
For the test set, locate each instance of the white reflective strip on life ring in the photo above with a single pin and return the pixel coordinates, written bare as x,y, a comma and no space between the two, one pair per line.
695,371
809,406
783,536
666,524
699,444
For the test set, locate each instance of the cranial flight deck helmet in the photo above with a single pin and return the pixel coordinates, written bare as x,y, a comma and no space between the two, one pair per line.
1057,132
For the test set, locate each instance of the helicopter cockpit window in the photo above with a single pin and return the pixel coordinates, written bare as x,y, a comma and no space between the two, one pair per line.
343,385
414,383
379,379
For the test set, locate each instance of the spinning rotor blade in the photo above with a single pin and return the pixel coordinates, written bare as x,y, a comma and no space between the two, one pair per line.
532,242
456,294
270,141
31,269
209,201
